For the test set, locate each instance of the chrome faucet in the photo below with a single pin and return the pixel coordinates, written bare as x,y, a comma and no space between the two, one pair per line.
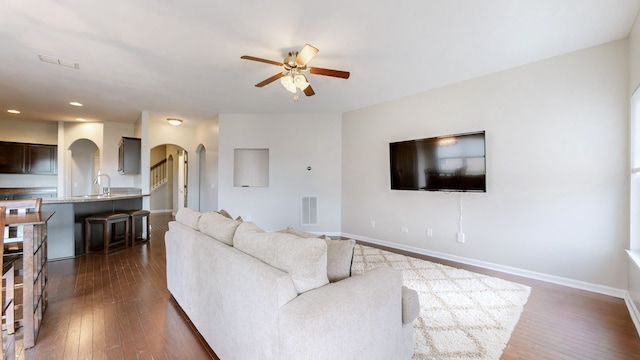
97,181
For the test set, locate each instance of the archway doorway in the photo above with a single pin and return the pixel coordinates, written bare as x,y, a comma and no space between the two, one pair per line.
85,163
169,179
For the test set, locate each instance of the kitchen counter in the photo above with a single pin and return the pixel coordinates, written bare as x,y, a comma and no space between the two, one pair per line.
90,198
66,235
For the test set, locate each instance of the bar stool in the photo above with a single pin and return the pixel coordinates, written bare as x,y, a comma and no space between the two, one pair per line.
143,216
110,236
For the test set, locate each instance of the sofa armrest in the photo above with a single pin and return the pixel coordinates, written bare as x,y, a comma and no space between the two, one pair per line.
410,305
356,318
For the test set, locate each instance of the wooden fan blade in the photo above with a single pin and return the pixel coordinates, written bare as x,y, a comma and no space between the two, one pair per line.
270,80
247,57
329,72
309,91
305,55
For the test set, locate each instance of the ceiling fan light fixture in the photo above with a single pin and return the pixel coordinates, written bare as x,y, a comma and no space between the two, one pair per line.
300,81
288,83
293,69
174,121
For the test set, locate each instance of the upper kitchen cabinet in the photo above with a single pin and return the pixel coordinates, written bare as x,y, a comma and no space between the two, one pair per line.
129,155
12,158
23,158
41,159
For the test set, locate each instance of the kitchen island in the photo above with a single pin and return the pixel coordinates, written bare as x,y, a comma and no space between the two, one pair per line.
66,236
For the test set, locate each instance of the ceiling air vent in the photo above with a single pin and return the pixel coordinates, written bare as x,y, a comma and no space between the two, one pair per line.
58,61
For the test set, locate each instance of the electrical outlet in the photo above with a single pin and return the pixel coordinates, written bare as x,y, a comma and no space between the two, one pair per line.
461,238
429,232
404,229
372,224
247,218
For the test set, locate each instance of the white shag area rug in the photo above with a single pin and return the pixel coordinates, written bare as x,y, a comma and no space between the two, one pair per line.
464,315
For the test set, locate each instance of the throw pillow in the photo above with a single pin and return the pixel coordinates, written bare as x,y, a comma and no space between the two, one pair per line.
224,213
339,258
339,254
305,259
218,226
188,217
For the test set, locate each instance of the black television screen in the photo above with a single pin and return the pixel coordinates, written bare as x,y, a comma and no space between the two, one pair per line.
443,163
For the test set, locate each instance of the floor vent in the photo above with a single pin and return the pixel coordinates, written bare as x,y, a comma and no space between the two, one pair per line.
309,211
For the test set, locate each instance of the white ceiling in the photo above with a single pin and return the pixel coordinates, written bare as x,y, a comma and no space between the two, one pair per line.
182,58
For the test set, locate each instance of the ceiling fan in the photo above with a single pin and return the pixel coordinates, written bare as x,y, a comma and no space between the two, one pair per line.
294,66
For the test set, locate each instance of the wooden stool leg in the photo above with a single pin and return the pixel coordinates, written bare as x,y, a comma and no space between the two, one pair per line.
132,233
146,218
107,236
127,232
87,236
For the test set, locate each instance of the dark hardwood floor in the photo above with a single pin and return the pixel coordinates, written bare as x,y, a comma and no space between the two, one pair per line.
117,307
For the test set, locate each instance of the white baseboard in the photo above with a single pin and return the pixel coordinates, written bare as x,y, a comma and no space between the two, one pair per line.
633,311
618,293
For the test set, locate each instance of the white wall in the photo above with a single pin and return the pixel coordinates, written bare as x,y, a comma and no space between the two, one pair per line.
556,201
189,136
207,134
106,136
295,141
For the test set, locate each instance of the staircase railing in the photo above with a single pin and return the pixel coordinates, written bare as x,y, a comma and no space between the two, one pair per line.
158,174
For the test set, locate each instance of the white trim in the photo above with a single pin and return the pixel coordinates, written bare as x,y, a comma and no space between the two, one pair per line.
332,233
606,290
635,257
633,311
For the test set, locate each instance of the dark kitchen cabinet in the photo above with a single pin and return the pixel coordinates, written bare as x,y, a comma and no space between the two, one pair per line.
12,158
129,151
22,158
41,159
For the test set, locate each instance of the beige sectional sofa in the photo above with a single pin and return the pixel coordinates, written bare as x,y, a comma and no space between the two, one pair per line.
267,295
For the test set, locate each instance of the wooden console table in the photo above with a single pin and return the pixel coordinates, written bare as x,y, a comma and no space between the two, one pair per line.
34,291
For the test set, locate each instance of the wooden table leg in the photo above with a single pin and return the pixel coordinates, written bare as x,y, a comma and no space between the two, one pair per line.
27,287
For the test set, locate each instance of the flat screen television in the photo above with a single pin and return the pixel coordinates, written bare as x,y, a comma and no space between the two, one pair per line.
443,163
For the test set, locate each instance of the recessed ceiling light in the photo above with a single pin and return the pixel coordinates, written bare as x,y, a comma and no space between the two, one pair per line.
80,119
75,103
13,111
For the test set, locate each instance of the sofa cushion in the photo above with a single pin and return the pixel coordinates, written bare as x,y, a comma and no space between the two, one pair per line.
305,259
188,217
339,254
218,226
